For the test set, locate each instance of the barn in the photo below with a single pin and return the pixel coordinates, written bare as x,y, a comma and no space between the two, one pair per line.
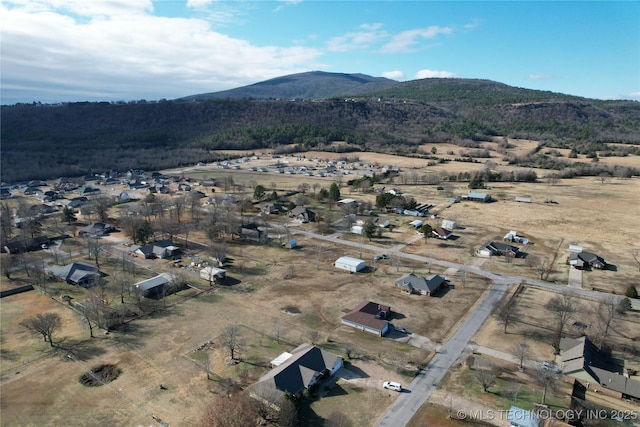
352,265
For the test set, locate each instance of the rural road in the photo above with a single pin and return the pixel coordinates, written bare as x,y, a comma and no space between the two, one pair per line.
417,393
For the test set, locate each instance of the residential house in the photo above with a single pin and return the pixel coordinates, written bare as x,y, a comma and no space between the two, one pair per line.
368,317
580,358
441,233
87,190
96,229
77,273
301,369
273,208
498,249
303,214
164,249
413,284
153,287
581,260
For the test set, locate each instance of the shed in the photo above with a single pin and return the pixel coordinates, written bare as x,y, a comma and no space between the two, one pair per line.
356,229
416,224
213,274
352,265
522,199
291,244
449,224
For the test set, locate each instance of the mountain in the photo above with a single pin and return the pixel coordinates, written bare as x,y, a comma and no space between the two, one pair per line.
45,141
311,85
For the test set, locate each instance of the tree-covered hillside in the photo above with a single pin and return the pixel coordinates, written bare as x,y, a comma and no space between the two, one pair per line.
44,141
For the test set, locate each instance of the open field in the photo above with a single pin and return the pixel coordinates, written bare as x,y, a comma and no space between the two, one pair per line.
280,298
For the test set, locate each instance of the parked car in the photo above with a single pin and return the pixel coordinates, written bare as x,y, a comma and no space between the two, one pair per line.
378,257
550,366
390,385
401,329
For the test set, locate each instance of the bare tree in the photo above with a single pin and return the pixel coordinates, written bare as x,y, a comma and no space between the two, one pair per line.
236,411
636,257
45,324
547,379
94,309
230,338
94,246
277,330
101,205
507,312
522,352
121,281
486,378
562,308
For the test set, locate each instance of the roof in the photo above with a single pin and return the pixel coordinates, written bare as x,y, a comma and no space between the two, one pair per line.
298,371
366,314
410,282
582,355
474,195
443,232
349,261
78,272
154,282
157,248
521,417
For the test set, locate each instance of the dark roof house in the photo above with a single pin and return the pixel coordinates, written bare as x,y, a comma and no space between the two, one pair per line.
301,369
163,249
498,249
78,273
303,214
441,233
411,283
96,229
19,245
582,260
583,360
368,317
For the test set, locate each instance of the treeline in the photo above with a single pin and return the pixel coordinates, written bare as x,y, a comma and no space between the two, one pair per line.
45,141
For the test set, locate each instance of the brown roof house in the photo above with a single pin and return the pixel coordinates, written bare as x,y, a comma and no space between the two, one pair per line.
294,372
583,360
368,317
413,284
441,233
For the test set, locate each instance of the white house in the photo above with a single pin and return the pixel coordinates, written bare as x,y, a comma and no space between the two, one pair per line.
416,224
352,265
449,224
213,274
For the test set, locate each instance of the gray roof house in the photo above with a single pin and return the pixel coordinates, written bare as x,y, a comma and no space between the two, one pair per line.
497,248
96,229
153,287
580,358
368,317
303,214
301,369
582,260
411,284
163,249
78,273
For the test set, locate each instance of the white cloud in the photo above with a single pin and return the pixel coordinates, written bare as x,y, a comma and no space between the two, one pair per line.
198,4
46,54
406,41
425,74
363,39
285,3
539,77
394,75
91,8
472,25
634,94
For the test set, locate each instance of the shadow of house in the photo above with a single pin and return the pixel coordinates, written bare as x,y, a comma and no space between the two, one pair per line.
580,358
412,284
368,317
20,245
78,273
302,369
164,249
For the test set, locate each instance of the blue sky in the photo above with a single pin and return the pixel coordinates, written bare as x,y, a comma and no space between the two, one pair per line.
94,50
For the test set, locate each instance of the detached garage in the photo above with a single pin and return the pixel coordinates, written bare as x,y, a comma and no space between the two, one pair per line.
352,265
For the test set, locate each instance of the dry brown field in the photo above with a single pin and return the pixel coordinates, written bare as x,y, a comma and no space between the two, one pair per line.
307,305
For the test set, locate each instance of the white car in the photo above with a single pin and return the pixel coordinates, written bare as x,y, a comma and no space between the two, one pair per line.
390,385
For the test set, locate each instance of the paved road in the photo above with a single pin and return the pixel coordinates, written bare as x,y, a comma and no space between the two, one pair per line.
408,403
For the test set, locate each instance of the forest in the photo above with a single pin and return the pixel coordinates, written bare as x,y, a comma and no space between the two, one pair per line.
45,141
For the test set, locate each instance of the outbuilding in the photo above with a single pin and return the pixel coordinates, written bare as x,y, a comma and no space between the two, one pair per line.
213,274
352,265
